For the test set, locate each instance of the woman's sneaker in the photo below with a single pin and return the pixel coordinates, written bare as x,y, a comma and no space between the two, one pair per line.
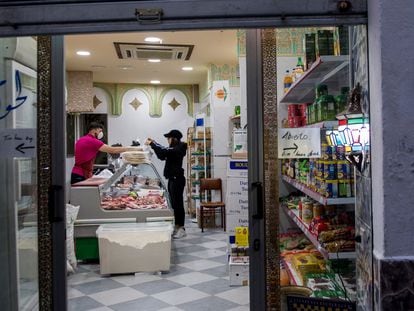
180,234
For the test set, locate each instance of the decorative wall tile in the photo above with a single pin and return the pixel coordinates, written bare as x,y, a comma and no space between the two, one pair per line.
80,91
228,72
241,43
271,168
135,103
96,102
155,95
174,104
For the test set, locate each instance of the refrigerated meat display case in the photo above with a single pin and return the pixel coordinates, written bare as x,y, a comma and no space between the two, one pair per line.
134,193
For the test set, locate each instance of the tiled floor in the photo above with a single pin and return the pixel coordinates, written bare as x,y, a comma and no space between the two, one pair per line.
198,281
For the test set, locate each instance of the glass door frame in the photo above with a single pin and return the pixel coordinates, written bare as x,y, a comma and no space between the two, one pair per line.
107,16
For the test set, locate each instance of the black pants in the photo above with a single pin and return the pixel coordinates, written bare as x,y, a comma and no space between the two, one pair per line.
175,189
74,178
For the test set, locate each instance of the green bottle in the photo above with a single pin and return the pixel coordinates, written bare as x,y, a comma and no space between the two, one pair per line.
300,63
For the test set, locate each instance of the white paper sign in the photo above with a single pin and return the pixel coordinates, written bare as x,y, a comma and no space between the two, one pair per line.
299,143
18,143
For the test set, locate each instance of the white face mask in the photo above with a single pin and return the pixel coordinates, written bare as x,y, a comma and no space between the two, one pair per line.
100,135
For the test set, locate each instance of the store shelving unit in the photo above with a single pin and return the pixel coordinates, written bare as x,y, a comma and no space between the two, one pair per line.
199,153
294,215
334,72
316,196
329,70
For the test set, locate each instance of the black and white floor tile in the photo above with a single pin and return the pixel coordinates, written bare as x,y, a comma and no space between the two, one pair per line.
197,281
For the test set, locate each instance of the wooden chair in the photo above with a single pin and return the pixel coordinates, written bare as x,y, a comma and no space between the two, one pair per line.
208,191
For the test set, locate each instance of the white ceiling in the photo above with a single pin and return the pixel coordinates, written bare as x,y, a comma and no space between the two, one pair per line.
217,47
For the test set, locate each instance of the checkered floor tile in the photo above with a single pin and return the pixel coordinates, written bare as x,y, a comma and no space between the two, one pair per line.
197,281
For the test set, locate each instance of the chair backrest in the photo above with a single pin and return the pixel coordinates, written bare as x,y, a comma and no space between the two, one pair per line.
211,184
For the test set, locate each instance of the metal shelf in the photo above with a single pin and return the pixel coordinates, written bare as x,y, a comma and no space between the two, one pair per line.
316,196
329,70
293,214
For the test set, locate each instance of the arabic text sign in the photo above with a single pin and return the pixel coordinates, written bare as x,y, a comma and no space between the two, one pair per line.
19,143
299,143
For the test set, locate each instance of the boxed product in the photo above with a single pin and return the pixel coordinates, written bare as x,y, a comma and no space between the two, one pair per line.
134,247
239,271
242,236
306,263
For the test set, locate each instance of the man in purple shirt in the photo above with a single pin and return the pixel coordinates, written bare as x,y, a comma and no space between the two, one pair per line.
86,149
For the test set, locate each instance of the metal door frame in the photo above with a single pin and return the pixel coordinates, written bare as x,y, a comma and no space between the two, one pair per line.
59,17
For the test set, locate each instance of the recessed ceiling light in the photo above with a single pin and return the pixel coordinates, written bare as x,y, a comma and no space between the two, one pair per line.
187,68
83,53
155,81
154,60
153,40
125,67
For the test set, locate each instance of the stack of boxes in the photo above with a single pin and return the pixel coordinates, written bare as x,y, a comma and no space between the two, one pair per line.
237,221
239,258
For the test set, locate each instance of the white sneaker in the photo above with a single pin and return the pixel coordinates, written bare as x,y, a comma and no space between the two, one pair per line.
180,234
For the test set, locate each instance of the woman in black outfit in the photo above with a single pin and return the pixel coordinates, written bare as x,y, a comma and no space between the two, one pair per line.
173,171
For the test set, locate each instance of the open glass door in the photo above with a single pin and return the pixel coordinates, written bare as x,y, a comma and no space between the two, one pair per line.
18,177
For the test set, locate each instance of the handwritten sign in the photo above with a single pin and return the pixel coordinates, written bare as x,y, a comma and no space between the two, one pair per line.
18,143
299,143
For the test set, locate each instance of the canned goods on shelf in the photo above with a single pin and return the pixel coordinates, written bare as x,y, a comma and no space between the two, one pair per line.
344,189
318,209
343,170
331,188
340,153
330,168
307,211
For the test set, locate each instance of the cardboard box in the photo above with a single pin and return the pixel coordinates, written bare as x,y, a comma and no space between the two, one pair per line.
237,187
134,247
239,271
237,206
237,168
233,221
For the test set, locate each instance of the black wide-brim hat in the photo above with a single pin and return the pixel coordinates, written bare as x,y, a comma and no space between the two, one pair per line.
174,133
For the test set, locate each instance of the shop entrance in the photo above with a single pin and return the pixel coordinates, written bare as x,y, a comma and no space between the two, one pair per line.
255,93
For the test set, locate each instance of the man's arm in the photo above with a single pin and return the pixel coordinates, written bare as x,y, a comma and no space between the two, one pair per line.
110,149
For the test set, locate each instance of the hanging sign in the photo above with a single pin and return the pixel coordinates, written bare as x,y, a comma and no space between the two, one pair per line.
18,143
299,143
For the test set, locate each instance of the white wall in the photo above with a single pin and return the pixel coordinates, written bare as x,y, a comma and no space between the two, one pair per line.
391,68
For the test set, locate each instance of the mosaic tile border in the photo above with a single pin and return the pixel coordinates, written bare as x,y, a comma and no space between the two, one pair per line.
271,173
44,114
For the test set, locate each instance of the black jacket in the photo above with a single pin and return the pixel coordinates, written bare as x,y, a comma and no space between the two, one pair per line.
173,156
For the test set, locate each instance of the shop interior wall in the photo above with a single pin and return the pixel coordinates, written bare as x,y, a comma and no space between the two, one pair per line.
138,124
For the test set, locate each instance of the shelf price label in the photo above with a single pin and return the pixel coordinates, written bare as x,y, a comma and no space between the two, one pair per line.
299,143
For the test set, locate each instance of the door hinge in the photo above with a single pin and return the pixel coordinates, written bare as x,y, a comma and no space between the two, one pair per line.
148,16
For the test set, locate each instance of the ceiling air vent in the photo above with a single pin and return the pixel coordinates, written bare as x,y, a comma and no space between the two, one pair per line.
156,51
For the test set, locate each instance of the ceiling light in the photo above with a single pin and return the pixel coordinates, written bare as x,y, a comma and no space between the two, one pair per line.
154,60
155,81
153,40
187,68
83,53
125,67
98,66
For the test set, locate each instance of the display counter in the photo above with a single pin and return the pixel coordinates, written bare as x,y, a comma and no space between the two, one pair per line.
135,193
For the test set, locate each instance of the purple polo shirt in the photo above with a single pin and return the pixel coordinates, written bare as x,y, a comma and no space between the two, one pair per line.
86,149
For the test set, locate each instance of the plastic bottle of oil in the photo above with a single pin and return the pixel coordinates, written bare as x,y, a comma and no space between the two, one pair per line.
287,81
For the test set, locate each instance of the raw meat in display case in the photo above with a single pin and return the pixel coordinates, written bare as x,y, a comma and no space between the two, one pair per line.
135,193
